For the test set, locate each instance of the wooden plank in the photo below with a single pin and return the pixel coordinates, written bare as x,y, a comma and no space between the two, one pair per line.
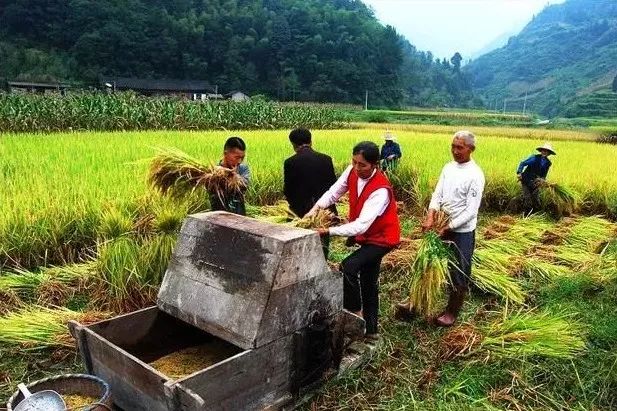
248,381
134,384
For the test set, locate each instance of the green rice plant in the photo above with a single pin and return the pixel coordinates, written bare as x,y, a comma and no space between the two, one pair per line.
154,256
429,274
529,334
36,327
498,283
114,223
117,263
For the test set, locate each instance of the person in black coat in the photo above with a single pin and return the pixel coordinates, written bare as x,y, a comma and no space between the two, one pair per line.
308,174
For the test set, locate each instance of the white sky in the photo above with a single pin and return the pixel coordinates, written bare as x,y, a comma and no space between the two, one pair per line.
447,26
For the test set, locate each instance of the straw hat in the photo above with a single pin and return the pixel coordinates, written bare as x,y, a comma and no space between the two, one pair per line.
548,147
389,136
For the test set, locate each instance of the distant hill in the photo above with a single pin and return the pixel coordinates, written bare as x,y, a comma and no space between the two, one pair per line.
558,63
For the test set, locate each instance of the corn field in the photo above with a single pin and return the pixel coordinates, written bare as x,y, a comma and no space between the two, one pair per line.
128,111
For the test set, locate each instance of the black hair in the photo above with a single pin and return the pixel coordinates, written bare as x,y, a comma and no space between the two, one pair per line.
300,136
234,142
369,151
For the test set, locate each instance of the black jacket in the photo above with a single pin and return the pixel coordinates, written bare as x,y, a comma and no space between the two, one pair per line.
307,175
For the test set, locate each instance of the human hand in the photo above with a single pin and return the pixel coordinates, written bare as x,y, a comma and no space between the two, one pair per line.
391,157
312,211
427,224
441,233
519,177
322,231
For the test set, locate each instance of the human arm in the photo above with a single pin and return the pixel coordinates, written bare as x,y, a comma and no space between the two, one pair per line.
524,164
544,172
373,207
245,173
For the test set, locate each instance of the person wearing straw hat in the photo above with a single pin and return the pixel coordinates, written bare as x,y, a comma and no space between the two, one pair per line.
529,171
390,152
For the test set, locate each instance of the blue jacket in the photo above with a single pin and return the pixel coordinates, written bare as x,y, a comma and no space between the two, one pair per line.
535,166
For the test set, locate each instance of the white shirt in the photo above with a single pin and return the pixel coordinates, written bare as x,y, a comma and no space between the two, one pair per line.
374,206
459,193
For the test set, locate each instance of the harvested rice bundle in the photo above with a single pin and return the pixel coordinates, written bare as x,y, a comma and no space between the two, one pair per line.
590,233
174,171
50,286
558,199
36,327
280,213
185,362
321,219
499,283
533,334
544,270
429,274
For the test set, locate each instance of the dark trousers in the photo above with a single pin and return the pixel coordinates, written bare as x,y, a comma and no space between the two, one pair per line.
325,245
531,197
461,245
360,285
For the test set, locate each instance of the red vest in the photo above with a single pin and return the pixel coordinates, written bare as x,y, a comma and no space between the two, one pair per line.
386,229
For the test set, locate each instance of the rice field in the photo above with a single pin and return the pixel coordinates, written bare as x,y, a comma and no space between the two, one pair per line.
81,228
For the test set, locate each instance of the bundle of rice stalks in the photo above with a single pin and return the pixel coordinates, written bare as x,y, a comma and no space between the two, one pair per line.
459,342
539,269
37,327
498,283
558,199
533,334
176,172
321,219
590,233
441,220
50,286
280,213
429,274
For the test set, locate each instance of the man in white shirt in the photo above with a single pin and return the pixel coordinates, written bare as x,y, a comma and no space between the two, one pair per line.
458,193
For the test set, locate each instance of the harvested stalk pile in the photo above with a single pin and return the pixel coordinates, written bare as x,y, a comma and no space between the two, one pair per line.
516,335
400,260
175,172
522,334
499,283
559,200
37,327
185,362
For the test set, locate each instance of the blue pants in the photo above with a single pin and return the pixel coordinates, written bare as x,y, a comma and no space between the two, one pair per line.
462,245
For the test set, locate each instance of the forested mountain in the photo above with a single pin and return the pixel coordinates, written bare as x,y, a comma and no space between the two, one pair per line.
564,60
312,50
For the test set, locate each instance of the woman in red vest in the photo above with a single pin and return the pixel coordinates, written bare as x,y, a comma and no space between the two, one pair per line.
373,223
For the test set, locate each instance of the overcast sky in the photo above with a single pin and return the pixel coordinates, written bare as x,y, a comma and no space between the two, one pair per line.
447,26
